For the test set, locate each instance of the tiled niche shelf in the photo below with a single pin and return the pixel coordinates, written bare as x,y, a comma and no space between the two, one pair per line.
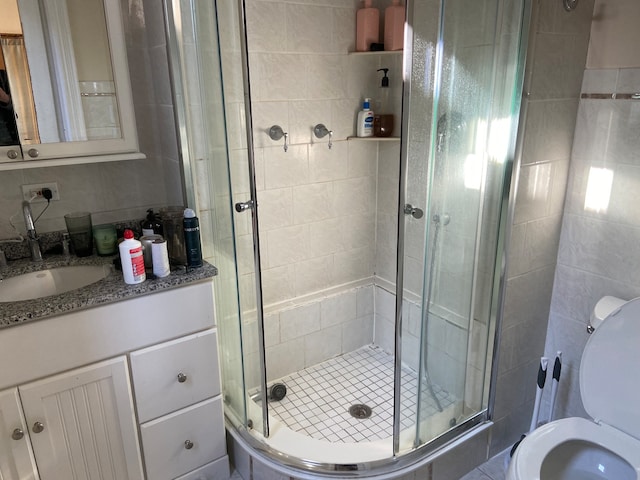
374,139
381,52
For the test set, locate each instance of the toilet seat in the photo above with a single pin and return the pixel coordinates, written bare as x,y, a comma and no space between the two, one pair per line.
608,376
528,458
609,370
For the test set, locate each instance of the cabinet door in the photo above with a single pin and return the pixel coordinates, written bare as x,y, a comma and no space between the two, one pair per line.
16,457
82,424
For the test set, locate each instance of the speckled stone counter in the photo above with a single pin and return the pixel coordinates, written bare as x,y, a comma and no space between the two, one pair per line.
108,290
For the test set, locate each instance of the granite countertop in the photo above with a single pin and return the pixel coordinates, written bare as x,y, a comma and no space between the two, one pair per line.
108,290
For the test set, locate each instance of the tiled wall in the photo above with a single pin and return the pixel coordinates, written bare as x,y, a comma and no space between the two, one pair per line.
317,206
307,334
598,249
555,64
116,190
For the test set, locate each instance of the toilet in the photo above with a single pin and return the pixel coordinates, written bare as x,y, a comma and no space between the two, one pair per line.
607,447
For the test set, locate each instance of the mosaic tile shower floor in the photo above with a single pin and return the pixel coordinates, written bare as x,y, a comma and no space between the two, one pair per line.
318,398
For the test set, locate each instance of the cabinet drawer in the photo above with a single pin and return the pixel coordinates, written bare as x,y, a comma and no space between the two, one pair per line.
164,440
173,375
218,470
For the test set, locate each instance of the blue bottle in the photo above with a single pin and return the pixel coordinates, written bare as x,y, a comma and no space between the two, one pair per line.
192,238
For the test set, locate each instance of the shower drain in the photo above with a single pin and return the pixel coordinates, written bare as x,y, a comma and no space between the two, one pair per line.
360,411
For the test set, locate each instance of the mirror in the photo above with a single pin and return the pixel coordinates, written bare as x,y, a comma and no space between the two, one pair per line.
56,72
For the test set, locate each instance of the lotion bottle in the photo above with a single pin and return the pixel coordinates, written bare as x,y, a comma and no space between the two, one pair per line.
132,259
394,26
367,27
365,120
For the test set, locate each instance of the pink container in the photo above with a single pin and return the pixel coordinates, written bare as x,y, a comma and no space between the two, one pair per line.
367,27
394,26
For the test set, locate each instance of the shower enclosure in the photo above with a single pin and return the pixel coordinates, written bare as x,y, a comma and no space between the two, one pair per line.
359,285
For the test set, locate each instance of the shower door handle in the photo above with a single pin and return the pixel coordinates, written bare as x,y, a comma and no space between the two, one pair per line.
242,206
415,212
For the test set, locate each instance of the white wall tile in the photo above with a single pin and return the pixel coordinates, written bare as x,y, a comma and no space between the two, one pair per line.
385,304
325,164
309,27
338,309
325,237
365,301
285,358
287,245
278,76
313,275
313,203
286,169
599,80
322,345
326,77
628,80
266,26
299,321
264,115
356,194
275,208
353,265
304,115
278,284
357,333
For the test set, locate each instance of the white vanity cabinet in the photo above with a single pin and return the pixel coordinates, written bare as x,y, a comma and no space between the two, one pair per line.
68,387
78,424
179,403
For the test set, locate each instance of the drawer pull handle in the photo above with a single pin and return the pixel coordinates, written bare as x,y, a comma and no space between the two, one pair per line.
17,434
182,377
37,427
188,444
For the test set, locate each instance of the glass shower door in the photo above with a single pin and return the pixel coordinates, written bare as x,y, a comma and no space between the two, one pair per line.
203,40
465,71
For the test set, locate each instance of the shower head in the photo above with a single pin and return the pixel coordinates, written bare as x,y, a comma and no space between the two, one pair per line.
569,5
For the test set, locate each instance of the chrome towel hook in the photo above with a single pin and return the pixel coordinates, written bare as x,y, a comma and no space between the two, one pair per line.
320,131
276,133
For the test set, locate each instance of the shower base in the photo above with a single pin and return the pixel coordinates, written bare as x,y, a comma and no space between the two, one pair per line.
319,397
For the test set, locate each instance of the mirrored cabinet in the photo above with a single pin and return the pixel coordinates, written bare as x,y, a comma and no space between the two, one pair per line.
65,89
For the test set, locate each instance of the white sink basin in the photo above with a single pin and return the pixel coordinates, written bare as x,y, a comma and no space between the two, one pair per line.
54,281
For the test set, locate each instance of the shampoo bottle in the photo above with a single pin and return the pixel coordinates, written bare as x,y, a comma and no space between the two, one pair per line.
192,239
365,120
394,26
132,259
367,27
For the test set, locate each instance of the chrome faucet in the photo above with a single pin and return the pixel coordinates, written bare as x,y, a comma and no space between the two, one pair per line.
32,236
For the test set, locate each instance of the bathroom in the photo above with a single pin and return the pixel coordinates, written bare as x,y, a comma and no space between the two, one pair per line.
557,266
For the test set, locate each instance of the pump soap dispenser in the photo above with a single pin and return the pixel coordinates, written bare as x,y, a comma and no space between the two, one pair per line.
367,27
383,121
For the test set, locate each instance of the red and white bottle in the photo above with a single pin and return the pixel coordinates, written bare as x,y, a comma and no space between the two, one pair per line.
132,259
367,27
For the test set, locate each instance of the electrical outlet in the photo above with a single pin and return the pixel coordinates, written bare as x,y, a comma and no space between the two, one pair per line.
35,190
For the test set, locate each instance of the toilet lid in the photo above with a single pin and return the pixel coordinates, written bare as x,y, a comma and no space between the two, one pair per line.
610,370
